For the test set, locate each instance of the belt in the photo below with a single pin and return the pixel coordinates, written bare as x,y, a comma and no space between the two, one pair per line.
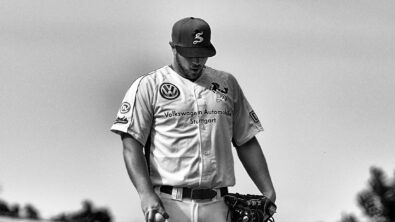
195,194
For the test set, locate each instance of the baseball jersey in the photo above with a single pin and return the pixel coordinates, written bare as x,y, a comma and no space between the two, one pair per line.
191,125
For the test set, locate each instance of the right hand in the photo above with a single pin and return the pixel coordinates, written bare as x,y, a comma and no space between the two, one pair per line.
151,205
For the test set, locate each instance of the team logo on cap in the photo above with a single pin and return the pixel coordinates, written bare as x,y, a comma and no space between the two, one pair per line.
125,108
169,91
198,38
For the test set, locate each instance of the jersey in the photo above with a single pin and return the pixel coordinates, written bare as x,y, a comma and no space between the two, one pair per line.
191,125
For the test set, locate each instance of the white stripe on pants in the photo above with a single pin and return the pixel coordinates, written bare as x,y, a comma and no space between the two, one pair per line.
187,210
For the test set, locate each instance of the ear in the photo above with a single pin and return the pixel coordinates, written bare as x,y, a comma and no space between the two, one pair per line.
172,44
173,47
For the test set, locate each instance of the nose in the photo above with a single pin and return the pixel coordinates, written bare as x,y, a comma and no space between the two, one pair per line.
197,60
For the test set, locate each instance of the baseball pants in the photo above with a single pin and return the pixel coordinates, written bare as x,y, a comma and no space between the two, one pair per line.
188,210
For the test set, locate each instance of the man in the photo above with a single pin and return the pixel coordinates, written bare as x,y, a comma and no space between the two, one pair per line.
186,116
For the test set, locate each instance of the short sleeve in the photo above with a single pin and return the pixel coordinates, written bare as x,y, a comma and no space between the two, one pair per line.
245,121
135,116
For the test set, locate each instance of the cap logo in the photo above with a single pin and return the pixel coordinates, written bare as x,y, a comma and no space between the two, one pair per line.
198,38
169,91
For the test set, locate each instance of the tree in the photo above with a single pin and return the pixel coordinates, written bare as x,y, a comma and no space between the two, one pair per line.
349,218
88,213
4,209
14,211
31,212
9,211
378,200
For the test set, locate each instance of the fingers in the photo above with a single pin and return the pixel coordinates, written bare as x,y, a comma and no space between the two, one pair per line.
150,214
163,214
155,215
152,207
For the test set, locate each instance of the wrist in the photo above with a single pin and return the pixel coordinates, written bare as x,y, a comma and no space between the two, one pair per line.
146,192
271,195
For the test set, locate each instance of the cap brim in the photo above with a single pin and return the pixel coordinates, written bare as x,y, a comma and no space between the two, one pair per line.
206,51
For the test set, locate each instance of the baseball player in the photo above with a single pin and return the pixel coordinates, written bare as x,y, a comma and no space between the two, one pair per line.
184,118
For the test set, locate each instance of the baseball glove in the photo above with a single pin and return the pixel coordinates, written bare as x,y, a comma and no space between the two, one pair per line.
250,208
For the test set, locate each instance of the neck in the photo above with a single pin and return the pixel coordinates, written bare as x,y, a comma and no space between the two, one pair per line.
184,73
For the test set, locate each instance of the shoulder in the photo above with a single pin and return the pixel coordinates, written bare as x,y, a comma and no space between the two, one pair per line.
221,75
152,79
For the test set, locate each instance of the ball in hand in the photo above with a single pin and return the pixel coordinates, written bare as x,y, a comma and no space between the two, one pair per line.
159,218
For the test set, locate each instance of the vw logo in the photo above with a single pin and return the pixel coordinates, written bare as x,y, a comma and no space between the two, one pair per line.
169,91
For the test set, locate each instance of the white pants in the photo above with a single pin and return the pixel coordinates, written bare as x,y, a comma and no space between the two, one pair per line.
187,210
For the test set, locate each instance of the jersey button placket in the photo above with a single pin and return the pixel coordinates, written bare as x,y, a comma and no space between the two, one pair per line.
201,106
201,167
205,138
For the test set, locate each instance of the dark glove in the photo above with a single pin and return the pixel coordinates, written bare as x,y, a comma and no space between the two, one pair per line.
250,208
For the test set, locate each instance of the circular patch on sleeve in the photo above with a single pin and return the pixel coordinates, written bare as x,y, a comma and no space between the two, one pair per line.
125,108
169,91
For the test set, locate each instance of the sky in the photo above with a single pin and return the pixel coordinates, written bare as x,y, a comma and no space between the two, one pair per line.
319,74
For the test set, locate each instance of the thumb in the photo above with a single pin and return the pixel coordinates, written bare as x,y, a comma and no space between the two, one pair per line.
164,213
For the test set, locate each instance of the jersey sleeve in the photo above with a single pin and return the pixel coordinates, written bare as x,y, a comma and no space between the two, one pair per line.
245,122
135,116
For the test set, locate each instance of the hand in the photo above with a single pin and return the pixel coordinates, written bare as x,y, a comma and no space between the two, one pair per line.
269,207
159,218
152,206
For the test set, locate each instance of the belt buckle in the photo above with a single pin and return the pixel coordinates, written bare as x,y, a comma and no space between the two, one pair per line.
176,193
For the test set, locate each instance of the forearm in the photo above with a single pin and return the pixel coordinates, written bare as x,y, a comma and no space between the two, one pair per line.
254,161
136,165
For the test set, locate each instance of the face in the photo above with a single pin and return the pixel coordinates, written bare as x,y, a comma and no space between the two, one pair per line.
190,68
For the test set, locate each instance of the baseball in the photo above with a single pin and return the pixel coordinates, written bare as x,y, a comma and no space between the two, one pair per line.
159,218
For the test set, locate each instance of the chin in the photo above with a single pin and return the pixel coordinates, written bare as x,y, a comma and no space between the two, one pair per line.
196,72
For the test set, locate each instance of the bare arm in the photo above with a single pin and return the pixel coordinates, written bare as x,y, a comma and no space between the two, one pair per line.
138,172
253,160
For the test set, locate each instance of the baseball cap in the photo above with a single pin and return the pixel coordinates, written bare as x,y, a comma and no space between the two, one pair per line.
191,38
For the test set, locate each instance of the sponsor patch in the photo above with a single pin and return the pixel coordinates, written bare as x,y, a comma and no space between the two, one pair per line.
221,93
125,108
254,117
169,91
217,88
121,120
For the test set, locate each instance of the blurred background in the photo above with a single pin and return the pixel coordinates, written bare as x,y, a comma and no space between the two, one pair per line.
319,74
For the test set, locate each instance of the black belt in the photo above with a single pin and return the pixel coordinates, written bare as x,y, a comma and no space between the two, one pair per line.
195,194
